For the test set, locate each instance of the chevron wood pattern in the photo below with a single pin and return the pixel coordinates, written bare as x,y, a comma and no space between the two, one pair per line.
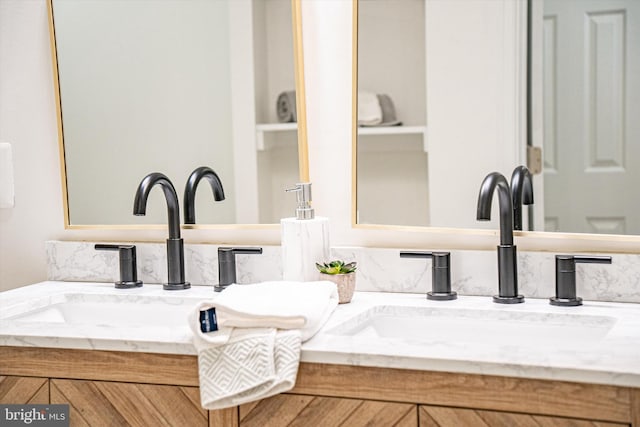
299,410
434,416
519,395
95,403
224,417
559,401
635,407
21,390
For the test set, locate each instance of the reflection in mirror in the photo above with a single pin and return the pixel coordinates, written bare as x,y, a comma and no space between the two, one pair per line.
590,91
392,160
422,81
591,81
168,86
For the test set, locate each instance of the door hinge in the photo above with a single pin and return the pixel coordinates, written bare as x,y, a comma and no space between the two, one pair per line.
534,159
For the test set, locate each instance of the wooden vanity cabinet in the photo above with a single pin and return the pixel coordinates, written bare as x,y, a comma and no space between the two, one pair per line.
94,403
437,416
23,390
304,410
122,388
454,399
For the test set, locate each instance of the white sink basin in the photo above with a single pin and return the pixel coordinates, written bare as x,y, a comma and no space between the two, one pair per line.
429,325
128,311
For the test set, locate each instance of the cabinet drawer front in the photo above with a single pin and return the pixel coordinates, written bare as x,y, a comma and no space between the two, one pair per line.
300,410
127,404
21,390
434,416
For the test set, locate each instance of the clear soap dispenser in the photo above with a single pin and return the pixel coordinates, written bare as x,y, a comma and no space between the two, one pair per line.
305,239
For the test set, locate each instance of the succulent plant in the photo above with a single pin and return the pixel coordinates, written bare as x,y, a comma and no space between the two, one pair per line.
336,267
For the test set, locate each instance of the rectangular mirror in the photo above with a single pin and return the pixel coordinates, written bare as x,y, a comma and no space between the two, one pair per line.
591,60
168,86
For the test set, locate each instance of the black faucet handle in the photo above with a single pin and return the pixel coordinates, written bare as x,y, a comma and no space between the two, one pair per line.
128,265
440,273
227,264
566,277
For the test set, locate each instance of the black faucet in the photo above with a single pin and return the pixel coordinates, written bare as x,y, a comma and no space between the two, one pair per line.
566,278
190,191
440,274
227,265
507,260
128,265
175,245
522,193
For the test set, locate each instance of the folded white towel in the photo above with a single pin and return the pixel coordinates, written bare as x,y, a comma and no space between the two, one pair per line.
369,110
283,305
253,351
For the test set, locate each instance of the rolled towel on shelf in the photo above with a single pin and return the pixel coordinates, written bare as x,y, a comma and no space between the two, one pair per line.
369,111
286,107
388,111
248,339
376,110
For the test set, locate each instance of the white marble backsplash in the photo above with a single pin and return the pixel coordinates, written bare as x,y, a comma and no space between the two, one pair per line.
472,272
80,262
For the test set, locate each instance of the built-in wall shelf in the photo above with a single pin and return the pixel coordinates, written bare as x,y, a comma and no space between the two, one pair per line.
276,127
392,131
263,128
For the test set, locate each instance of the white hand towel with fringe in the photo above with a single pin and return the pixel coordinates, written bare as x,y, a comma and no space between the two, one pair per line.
255,351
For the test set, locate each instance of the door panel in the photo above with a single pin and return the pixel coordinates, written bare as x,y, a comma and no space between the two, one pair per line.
591,104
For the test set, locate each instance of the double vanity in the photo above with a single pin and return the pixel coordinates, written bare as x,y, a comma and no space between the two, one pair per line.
393,358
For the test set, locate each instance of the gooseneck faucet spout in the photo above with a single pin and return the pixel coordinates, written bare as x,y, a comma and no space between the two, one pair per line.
491,182
522,193
142,194
507,259
190,191
175,245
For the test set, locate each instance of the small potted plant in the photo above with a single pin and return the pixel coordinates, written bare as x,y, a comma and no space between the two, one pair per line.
343,275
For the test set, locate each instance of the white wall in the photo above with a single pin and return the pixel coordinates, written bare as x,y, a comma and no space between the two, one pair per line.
28,122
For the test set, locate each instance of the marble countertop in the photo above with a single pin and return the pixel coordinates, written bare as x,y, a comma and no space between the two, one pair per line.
602,342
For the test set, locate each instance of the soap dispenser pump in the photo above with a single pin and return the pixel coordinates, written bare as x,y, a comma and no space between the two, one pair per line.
303,197
304,239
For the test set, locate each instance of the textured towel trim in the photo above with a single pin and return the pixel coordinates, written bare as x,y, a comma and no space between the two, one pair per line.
253,365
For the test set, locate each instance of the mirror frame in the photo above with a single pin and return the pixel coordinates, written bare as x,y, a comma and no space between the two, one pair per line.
479,239
303,151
